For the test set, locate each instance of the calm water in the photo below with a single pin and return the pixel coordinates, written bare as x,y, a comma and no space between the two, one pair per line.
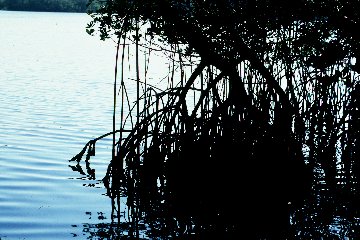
55,95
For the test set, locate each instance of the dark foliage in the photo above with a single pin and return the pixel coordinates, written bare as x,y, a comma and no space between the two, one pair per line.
45,5
270,147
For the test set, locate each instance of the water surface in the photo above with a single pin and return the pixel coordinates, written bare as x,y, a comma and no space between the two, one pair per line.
55,95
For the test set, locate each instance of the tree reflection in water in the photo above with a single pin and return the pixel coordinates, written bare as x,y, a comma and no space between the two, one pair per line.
305,224
116,226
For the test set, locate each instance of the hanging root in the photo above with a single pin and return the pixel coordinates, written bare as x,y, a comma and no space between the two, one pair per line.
90,147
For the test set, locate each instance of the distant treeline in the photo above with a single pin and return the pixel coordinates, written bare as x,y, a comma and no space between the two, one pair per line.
44,5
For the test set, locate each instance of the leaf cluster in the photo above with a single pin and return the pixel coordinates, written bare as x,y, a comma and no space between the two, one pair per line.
232,29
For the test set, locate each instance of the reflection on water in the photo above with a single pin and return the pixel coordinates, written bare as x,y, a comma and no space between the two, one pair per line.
90,173
117,224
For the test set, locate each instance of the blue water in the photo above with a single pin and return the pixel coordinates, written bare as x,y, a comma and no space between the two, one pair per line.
55,95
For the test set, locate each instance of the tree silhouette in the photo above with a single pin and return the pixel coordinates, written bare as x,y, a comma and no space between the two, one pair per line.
270,143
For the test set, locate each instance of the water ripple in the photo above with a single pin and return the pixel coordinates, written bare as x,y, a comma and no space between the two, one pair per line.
55,95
